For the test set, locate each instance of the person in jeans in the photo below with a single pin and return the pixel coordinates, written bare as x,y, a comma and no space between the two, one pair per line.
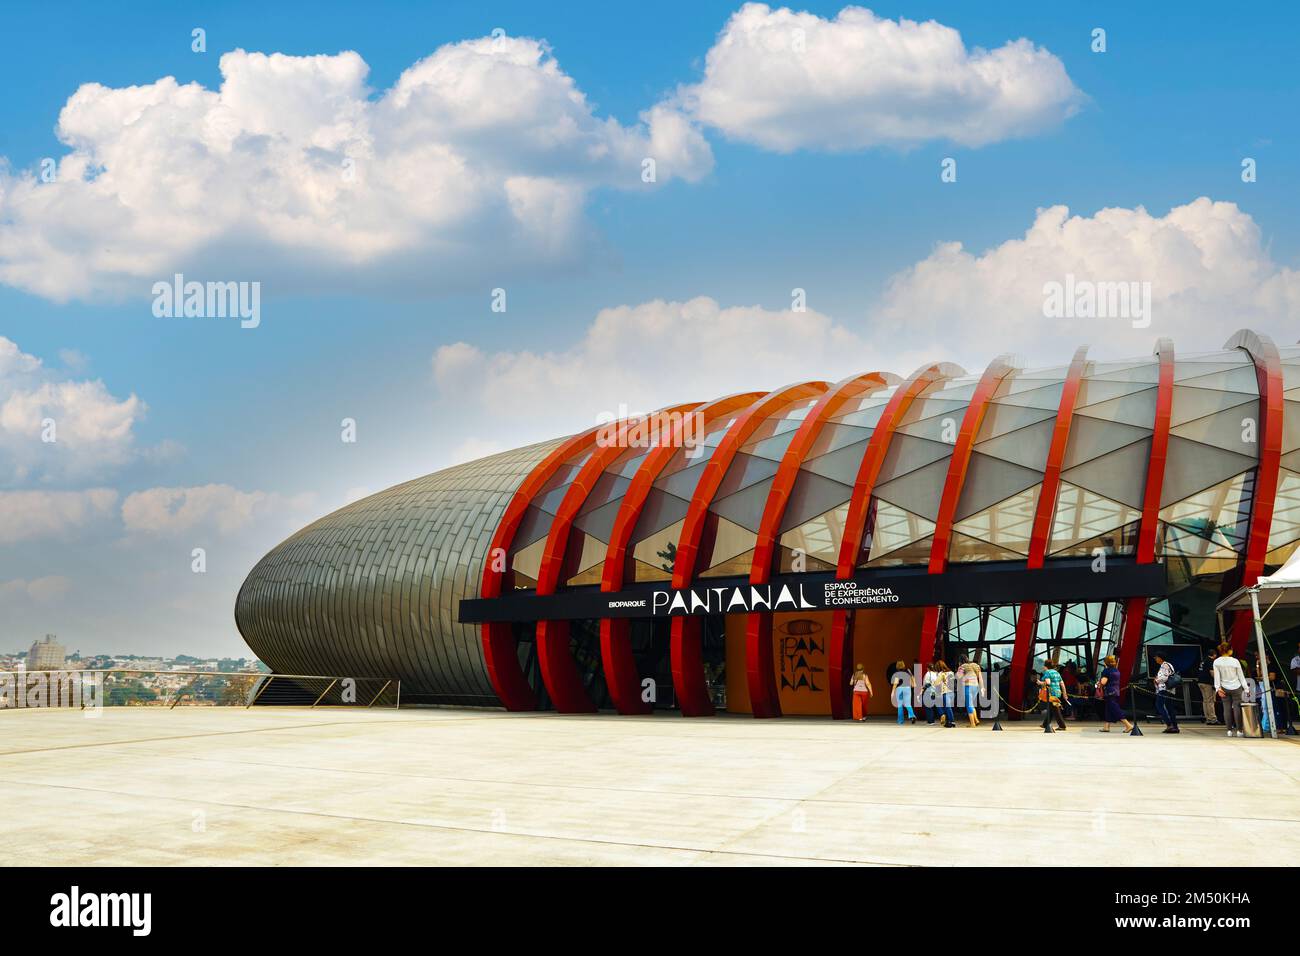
944,682
1164,672
1205,684
968,676
861,685
1229,684
903,682
1055,686
1109,683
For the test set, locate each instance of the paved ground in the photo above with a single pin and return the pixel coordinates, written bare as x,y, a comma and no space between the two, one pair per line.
295,786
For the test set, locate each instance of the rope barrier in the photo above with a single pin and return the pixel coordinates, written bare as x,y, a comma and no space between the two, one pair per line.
1011,706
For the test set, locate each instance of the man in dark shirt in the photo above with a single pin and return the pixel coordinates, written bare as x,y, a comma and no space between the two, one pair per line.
1205,683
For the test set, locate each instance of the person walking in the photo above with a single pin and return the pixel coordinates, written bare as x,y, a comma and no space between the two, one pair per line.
930,693
1109,683
1205,684
1054,685
1230,684
903,682
1166,679
1275,696
944,684
861,685
968,676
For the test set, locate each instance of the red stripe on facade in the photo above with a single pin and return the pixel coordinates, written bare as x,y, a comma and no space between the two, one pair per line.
555,660
621,675
687,655
500,653
760,670
1044,512
1135,609
839,664
958,467
1268,371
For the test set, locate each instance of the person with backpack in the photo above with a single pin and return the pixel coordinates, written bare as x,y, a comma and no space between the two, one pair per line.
929,694
1051,694
1167,681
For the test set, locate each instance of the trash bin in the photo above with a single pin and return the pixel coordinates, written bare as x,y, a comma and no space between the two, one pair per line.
1250,719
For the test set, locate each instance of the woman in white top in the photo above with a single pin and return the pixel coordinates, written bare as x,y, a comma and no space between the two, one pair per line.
1229,683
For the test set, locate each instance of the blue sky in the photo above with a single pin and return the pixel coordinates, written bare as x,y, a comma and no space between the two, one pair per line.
1159,120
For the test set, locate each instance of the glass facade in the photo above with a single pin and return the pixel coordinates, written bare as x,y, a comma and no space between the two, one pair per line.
373,588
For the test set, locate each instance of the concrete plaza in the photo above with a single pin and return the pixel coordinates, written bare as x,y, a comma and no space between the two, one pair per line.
293,786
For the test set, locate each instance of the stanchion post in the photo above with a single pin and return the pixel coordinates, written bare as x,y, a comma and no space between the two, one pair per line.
1133,706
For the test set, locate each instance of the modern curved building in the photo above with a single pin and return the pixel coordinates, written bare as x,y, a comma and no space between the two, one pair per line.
742,553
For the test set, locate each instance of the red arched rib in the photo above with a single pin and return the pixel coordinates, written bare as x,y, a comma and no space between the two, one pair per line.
499,649
621,676
687,656
1027,617
559,670
958,466
1272,407
760,671
864,485
1135,608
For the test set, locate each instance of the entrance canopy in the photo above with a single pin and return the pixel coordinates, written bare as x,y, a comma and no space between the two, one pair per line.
1282,587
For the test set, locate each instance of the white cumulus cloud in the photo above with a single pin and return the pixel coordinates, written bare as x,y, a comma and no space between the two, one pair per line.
294,169
209,508
636,358
43,591
1209,271
57,429
787,80
33,515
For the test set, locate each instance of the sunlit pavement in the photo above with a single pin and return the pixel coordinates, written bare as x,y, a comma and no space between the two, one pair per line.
292,786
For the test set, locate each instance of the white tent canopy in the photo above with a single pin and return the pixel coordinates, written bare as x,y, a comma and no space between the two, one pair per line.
1281,587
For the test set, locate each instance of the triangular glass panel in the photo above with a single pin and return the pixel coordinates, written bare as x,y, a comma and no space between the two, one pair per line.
1081,514
990,480
1220,514
1136,408
1233,429
1008,525
1026,447
1092,437
918,491
745,507
1120,475
1193,467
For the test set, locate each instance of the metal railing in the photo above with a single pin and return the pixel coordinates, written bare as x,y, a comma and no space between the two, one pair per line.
129,687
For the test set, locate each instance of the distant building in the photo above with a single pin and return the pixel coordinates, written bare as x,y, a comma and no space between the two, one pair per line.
46,655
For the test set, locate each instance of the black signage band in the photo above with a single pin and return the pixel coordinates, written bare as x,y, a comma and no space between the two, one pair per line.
972,585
